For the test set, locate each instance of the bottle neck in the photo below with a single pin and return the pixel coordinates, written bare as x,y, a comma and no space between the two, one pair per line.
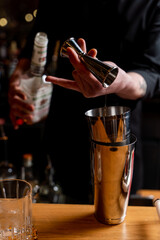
36,70
39,55
27,160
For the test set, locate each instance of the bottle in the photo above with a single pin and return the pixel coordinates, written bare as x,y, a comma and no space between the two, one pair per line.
50,192
33,83
3,46
7,170
27,169
27,174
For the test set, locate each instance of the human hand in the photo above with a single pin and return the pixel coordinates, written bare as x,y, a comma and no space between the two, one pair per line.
126,85
20,110
84,82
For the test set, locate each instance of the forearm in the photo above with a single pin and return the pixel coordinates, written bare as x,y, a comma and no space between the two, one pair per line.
139,85
134,86
129,85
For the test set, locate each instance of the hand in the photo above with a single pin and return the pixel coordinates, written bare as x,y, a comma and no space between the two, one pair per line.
84,82
127,85
19,109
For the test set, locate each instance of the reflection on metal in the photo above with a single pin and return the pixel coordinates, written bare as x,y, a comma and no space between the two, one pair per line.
113,168
105,73
112,155
109,124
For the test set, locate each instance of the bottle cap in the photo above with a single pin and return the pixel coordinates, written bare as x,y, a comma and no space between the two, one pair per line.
27,159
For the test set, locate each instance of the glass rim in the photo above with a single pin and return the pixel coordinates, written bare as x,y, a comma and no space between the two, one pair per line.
108,111
19,180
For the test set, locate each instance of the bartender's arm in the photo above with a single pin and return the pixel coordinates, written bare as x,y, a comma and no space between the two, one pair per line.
19,109
128,85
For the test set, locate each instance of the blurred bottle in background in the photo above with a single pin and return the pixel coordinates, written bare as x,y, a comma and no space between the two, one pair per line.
3,47
50,192
27,173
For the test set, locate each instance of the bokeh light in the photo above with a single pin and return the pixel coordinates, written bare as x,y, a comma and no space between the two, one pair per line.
28,17
35,13
3,22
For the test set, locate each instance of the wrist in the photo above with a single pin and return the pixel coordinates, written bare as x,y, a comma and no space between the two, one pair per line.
139,85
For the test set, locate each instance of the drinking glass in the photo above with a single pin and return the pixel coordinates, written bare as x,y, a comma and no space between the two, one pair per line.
15,210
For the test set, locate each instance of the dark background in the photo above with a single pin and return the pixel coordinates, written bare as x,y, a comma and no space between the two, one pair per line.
29,138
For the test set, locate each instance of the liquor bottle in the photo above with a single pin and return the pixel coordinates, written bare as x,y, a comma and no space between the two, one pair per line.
50,192
27,171
33,83
7,170
27,174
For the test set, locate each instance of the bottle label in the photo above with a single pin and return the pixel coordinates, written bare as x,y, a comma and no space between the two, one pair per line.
39,55
39,96
41,101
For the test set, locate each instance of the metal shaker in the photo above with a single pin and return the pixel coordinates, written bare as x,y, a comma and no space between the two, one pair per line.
112,162
105,73
109,124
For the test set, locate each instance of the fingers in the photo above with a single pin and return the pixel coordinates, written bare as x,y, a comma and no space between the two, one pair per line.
17,121
70,84
75,61
22,113
19,109
84,82
81,42
19,104
15,92
73,57
18,118
93,52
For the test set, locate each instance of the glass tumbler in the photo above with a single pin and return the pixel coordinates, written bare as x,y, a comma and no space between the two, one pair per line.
15,210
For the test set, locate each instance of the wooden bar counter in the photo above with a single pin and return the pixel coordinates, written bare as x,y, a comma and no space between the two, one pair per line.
62,221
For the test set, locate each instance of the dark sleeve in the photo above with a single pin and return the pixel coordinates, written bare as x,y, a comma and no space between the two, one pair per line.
149,65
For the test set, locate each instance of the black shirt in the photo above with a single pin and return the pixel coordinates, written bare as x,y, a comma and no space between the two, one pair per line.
126,32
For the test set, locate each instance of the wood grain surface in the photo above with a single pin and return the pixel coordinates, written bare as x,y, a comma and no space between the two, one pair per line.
62,221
